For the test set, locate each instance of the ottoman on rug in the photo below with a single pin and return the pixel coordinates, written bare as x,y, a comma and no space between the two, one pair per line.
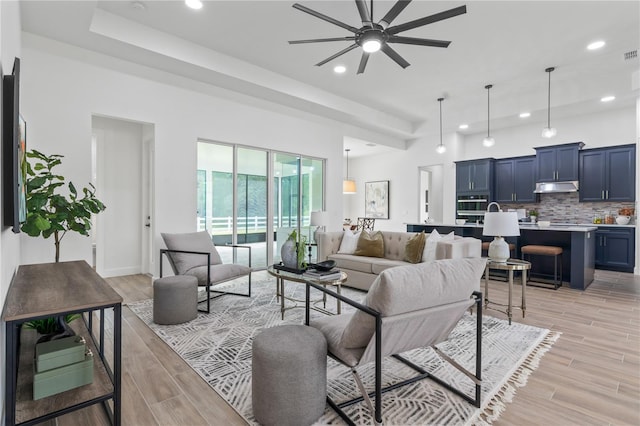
175,299
289,375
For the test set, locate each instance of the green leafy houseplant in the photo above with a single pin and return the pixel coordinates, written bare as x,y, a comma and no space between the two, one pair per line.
48,325
50,213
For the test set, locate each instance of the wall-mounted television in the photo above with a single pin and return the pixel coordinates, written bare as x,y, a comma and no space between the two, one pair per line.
14,146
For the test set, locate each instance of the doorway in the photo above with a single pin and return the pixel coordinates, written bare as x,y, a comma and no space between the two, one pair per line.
430,199
123,170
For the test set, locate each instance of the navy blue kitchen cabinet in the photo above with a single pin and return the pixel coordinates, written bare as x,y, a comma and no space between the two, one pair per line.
474,176
608,174
615,248
558,163
515,180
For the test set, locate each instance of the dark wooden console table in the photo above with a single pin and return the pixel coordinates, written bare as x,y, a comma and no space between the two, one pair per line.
53,289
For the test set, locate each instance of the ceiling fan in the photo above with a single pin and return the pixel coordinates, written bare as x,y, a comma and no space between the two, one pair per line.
377,36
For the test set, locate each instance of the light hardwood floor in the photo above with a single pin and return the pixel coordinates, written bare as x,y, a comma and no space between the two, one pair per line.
591,376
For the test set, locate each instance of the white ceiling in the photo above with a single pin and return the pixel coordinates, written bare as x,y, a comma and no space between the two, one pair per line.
242,45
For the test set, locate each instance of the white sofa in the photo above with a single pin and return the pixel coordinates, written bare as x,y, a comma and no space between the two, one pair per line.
363,270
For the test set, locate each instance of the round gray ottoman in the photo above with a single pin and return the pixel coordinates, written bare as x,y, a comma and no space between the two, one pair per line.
175,299
289,375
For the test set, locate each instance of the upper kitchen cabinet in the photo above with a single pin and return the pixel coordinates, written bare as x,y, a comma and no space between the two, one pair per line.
558,163
515,180
474,176
608,174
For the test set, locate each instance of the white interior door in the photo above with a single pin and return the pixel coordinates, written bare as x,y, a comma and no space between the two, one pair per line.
119,179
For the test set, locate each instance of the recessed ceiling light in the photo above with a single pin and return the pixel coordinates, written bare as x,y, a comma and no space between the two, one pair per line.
339,69
370,144
607,99
525,114
193,4
595,45
463,126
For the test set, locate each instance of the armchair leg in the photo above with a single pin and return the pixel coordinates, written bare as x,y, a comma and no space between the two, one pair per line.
222,293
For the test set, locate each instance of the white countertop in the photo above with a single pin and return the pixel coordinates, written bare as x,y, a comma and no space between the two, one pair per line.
532,227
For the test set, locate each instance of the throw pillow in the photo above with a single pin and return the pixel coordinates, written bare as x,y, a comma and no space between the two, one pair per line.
349,242
429,252
414,248
370,244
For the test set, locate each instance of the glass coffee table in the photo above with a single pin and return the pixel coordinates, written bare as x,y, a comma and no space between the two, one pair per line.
510,266
282,276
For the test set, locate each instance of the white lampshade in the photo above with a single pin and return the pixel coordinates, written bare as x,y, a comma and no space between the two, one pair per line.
348,186
501,224
318,218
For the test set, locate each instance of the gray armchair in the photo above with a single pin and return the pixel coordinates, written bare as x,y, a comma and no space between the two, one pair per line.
407,307
195,254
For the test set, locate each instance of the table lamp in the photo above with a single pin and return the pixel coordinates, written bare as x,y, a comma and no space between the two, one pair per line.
318,219
500,224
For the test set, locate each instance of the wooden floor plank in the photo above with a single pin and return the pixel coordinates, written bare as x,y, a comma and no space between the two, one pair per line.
591,376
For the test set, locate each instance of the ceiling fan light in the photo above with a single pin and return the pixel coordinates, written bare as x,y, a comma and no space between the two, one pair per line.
441,149
193,4
549,132
371,46
488,141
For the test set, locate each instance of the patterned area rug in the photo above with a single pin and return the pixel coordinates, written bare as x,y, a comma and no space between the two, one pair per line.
218,347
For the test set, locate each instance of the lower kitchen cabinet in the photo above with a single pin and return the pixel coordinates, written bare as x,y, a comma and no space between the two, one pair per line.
615,248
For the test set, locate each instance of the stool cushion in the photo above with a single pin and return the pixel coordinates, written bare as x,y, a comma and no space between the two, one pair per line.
289,375
542,250
175,299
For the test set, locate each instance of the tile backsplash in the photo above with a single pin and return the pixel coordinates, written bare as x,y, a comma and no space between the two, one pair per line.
565,208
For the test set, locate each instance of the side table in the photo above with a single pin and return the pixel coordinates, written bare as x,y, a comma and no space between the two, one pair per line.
510,265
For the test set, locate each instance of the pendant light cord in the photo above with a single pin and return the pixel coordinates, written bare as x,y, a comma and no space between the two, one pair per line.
347,163
548,70
440,101
488,87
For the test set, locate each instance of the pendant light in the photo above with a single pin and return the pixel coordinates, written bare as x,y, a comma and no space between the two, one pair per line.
348,185
441,148
488,141
549,132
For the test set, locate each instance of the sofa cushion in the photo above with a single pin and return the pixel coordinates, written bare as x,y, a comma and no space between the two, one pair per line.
349,242
191,241
370,244
380,264
411,288
414,247
352,262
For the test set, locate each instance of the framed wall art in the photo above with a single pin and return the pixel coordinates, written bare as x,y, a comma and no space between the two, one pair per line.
376,199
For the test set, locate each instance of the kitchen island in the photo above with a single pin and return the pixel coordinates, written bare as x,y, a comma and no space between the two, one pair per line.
578,243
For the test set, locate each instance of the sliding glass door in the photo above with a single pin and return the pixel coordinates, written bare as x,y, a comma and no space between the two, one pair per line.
234,185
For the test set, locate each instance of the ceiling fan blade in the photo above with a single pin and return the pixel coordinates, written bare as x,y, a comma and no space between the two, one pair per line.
363,62
394,12
427,20
325,18
419,41
365,16
394,55
319,40
342,52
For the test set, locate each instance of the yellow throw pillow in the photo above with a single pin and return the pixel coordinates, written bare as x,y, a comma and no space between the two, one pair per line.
370,244
414,247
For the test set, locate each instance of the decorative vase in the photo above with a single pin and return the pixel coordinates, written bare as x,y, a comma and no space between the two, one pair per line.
289,254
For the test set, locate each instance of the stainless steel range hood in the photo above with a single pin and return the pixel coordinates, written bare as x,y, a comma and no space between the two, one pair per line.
550,187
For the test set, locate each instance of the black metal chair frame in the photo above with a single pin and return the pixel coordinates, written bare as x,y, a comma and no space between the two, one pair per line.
168,252
423,374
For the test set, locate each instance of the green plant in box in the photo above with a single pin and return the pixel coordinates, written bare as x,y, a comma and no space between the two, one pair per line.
49,325
50,213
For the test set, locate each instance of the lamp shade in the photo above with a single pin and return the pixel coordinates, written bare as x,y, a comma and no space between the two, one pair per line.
502,224
318,218
348,186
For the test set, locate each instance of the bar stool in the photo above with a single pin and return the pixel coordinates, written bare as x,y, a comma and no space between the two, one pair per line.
537,250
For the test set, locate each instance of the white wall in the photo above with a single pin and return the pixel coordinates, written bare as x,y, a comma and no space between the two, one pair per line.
611,127
61,93
9,242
